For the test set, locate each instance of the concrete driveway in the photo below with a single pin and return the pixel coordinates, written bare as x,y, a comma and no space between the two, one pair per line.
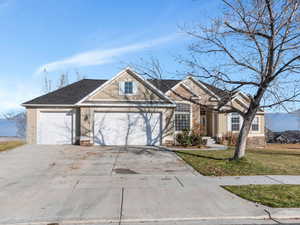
73,184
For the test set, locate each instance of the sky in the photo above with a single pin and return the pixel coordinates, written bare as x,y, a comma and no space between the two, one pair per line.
94,38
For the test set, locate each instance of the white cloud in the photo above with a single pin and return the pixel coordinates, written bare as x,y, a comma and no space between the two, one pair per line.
22,91
98,57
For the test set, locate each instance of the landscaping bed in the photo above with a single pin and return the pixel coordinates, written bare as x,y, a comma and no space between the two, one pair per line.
276,196
10,145
256,162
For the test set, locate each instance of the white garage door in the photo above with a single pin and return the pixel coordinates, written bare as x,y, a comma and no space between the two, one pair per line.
117,128
55,127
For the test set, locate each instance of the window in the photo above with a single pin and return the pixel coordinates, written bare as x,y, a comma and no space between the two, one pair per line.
255,124
128,87
182,116
235,122
181,107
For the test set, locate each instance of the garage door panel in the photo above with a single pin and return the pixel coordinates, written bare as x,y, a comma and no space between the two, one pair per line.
127,128
55,127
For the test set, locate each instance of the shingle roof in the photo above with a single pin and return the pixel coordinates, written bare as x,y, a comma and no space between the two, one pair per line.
217,91
69,94
163,85
73,93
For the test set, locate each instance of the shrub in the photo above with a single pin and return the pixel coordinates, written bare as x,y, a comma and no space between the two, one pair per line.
183,138
231,138
196,139
189,138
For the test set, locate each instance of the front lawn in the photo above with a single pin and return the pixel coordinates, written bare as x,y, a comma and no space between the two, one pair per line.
10,145
257,162
277,196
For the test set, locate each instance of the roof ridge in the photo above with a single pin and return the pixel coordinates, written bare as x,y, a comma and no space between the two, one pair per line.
91,79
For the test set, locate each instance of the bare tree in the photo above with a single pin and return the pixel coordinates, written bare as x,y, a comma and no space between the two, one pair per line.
63,80
79,76
255,48
47,87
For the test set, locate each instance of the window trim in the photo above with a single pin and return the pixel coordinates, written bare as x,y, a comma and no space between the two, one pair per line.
122,87
235,116
258,127
229,123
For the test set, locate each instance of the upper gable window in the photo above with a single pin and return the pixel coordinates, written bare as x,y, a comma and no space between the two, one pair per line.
128,87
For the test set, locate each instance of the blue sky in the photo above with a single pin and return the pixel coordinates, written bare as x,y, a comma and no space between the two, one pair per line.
95,38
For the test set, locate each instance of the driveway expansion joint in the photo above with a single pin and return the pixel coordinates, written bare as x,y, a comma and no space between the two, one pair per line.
179,181
121,206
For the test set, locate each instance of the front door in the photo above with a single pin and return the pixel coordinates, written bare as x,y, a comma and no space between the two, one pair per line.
203,122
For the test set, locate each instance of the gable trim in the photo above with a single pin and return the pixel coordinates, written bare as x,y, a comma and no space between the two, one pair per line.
204,86
129,105
131,72
188,90
195,81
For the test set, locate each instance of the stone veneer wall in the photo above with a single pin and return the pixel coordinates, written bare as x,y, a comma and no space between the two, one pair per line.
258,141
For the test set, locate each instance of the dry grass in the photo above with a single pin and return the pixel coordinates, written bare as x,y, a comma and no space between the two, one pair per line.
10,145
277,196
272,160
283,147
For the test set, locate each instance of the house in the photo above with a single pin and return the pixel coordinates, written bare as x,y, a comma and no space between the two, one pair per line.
130,110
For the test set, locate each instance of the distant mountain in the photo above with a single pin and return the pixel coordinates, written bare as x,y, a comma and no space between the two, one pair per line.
296,112
278,122
8,128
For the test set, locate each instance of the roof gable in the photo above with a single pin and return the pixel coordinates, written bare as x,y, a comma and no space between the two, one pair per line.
192,88
109,91
80,91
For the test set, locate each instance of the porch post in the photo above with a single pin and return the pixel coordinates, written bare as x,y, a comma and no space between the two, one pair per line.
213,123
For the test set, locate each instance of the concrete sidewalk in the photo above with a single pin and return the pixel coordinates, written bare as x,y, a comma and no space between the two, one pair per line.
134,185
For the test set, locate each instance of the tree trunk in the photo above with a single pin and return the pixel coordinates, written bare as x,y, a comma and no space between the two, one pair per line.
240,149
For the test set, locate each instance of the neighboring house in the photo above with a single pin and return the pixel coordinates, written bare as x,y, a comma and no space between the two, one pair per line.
129,110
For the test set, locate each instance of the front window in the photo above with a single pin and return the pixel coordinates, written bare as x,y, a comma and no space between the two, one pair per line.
128,87
182,117
255,124
235,122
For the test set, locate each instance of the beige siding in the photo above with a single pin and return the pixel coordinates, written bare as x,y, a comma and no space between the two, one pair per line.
222,124
238,105
186,91
86,123
111,91
31,126
196,117
261,131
